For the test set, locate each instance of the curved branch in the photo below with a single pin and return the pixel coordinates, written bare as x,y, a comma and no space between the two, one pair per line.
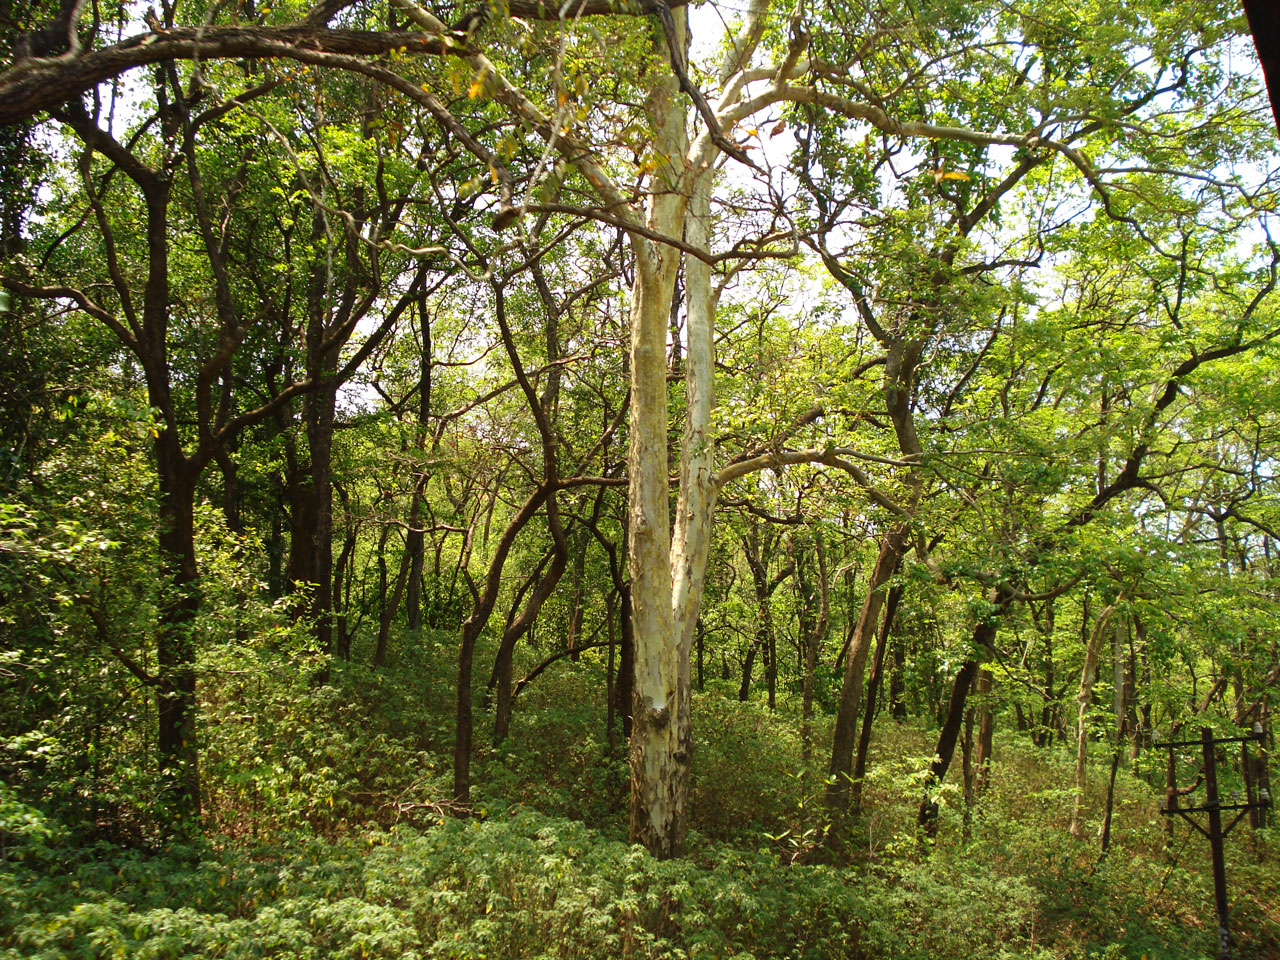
30,87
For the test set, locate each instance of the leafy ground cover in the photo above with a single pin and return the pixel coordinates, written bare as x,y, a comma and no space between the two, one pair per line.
327,837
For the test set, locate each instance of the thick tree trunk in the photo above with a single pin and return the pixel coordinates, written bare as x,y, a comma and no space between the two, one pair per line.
660,733
320,420
175,629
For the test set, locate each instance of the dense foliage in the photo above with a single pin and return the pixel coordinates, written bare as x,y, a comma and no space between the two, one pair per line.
634,480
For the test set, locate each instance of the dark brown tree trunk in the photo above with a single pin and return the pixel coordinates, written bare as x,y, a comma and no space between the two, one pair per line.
576,604
231,510
319,410
341,577
175,629
967,775
813,631
744,688
464,718
756,547
700,636
415,541
609,681
984,635
953,722
845,738
523,623
388,607
873,689
625,684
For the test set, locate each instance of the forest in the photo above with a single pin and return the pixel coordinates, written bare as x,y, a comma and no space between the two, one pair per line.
638,478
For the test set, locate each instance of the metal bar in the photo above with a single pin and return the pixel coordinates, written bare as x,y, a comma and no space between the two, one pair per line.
1223,806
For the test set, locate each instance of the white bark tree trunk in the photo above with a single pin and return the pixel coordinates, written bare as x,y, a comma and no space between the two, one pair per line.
660,726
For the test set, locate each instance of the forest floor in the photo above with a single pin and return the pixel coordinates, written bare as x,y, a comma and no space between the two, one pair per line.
325,835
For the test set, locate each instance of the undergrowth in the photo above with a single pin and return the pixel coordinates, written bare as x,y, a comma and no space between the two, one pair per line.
327,835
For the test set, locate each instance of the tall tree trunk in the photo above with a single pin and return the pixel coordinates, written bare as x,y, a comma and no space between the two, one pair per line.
948,736
342,576
523,623
898,680
840,785
873,688
984,635
1084,699
748,663
387,607
986,730
231,510
813,632
320,409
175,629
967,775
609,682
624,682
464,717
415,541
1119,662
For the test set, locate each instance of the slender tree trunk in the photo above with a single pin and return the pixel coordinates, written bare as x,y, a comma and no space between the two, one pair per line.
813,632
898,681
464,718
320,420
967,775
609,681
415,547
342,576
1085,699
1120,690
744,688
700,636
873,688
521,625
624,683
984,635
415,542
576,599
840,786
986,730
388,607
231,510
